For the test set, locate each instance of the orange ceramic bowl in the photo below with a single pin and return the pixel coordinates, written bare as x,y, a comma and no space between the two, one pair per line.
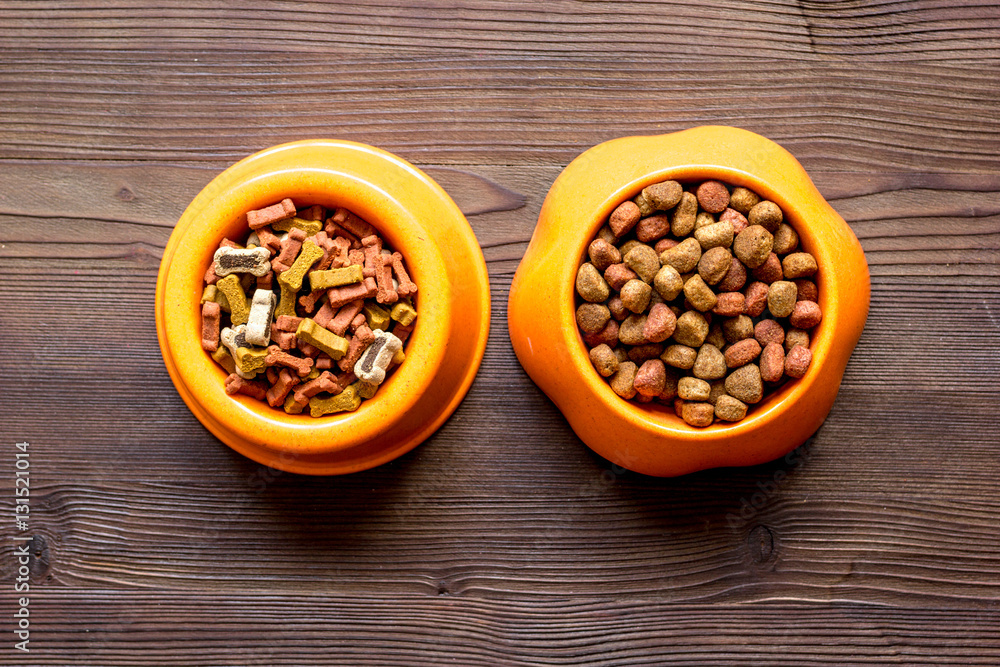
443,353
650,438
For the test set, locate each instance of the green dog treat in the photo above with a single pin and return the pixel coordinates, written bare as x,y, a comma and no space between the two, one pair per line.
318,337
236,297
347,275
346,401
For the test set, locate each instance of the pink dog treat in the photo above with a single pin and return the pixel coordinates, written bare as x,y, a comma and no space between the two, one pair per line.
325,382
285,339
287,323
315,212
265,216
276,356
324,314
268,240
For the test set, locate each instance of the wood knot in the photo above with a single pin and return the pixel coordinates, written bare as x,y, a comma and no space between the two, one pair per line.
760,542
125,194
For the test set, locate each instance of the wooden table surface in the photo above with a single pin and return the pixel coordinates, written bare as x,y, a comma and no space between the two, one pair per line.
502,540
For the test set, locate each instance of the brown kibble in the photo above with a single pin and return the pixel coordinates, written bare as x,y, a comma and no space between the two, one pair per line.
607,336
713,196
678,406
643,353
698,414
664,244
630,332
718,388
590,317
617,275
715,264
691,329
602,254
786,240
590,285
729,304
730,409
715,336
604,360
635,295
797,361
663,196
645,208
605,234
772,362
737,219
660,323
753,245
650,378
680,356
710,364
623,381
668,282
735,278
769,331
624,218
742,352
699,294
806,290
769,271
767,214
744,384
669,385
806,315
682,223
644,261
715,235
625,247
737,328
693,389
617,308
756,298
703,219
781,298
684,256
621,354
743,200
799,265
796,337
652,228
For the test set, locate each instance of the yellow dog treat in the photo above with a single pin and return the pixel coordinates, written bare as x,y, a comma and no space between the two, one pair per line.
347,275
320,338
377,316
308,255
250,360
403,313
310,227
237,298
346,401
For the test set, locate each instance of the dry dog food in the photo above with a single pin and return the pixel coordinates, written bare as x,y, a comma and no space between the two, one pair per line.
699,297
306,297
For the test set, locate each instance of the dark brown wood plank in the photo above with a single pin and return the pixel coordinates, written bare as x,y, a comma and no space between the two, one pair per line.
220,108
926,30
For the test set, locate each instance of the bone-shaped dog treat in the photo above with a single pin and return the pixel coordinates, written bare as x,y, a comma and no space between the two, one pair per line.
290,247
347,275
259,320
265,216
309,301
237,298
310,227
242,260
377,316
402,332
315,335
346,401
383,273
268,240
293,406
352,223
372,248
250,360
279,389
325,381
338,296
324,315
314,212
234,339
367,389
345,315
286,303
287,323
362,338
210,313
358,320
222,357
253,388
308,256
406,286
356,256
276,356
340,249
373,363
403,313
285,339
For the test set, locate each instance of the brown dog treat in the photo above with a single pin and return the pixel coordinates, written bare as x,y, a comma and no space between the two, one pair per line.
785,239
323,362
356,257
606,234
770,271
715,335
278,392
624,218
286,340
342,320
668,282
210,322
620,352
806,315
590,285
679,406
684,256
650,378
253,388
660,323
211,277
710,364
602,254
737,328
717,389
406,287
290,247
730,409
769,331
358,320
742,352
286,323
309,301
743,200
371,246
401,332
715,235
753,245
691,329
338,296
693,389
356,347
607,336
735,278
630,331
713,196
604,360
315,212
756,298
699,294
617,308
806,290
729,304
644,261
652,228
734,217
744,384
623,381
277,357
715,264
797,361
640,354
352,223
590,317
268,240
664,244
339,252
672,377
663,196
698,413
386,289
679,356
325,382
767,214
703,219
772,362
265,216
617,275
682,222
635,295
781,298
266,281
645,208
795,337
799,265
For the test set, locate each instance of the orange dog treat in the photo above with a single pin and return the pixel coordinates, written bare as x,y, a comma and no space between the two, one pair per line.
338,296
238,385
352,223
210,312
289,251
406,286
278,392
276,356
265,216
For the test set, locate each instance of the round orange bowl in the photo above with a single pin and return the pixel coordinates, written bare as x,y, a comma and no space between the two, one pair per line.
443,353
650,438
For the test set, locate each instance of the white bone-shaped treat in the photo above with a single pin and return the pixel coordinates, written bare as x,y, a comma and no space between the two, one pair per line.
376,358
242,260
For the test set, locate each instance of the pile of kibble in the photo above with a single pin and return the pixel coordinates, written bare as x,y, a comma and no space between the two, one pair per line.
305,297
699,297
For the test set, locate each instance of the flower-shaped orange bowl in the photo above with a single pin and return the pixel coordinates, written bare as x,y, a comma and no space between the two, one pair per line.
443,353
650,438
